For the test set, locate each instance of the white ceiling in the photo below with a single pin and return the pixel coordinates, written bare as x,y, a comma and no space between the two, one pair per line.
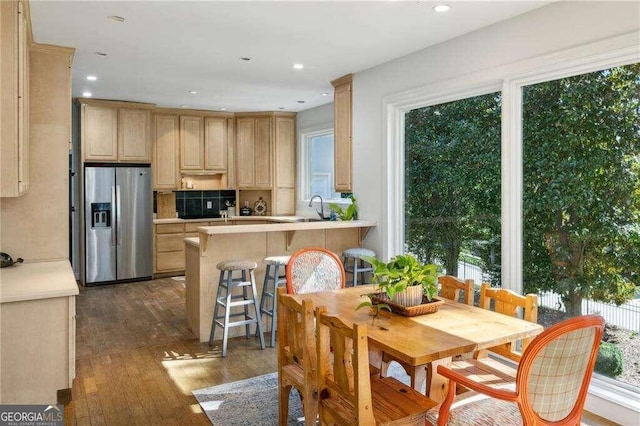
167,48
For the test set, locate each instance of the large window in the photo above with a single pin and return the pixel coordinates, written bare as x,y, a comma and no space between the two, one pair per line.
569,164
581,204
317,165
452,186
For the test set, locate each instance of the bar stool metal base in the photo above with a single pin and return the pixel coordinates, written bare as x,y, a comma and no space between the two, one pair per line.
274,277
354,265
226,300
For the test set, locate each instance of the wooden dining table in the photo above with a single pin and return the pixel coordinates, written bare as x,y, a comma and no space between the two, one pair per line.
430,339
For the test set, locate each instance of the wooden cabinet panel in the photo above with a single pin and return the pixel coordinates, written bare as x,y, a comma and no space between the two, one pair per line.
23,101
170,261
285,201
215,144
342,134
169,228
231,154
99,133
245,153
285,147
169,242
166,164
193,226
285,166
169,247
262,162
191,143
14,108
134,135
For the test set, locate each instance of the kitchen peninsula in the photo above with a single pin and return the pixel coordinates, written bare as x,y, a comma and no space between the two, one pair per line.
276,237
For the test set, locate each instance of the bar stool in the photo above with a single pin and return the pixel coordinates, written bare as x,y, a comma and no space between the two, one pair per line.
226,300
358,266
274,276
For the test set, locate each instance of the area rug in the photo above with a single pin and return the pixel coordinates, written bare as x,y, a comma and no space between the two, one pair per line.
254,401
249,402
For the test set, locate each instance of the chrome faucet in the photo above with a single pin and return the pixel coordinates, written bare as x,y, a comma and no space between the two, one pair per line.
321,212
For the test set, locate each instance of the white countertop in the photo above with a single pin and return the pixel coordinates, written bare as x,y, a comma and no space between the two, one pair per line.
37,280
276,219
286,226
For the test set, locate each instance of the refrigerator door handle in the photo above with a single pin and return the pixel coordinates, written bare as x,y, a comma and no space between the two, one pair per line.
118,216
113,203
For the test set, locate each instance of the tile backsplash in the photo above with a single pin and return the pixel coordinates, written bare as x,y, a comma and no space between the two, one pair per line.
196,203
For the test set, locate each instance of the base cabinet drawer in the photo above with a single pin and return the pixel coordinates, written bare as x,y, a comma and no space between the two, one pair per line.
169,242
170,261
169,228
193,226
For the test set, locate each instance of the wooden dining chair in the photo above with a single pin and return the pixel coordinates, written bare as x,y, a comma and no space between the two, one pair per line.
346,394
550,387
314,269
296,356
450,288
488,369
509,303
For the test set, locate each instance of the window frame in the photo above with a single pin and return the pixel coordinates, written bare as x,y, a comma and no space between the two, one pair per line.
304,174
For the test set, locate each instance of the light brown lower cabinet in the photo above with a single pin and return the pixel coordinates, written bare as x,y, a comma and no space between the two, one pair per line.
169,244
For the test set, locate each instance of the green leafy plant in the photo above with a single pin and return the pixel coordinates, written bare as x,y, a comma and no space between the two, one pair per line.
403,271
609,360
373,307
350,213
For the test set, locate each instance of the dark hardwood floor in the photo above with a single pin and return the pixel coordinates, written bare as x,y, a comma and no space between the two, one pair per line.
137,362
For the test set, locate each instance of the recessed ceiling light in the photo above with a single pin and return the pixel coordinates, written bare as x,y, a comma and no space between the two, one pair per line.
245,58
442,8
193,92
87,94
223,109
114,18
184,106
301,102
92,78
325,94
99,53
298,66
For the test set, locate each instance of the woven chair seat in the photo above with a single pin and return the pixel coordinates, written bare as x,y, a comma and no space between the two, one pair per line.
236,265
276,260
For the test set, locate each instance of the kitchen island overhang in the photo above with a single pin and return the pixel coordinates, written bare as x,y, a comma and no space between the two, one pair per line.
253,242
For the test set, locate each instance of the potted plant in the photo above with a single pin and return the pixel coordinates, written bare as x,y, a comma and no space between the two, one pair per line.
350,213
404,279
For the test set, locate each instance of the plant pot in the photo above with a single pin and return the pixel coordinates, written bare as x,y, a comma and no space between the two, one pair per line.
410,296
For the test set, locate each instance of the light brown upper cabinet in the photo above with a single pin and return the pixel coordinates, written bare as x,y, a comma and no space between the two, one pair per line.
253,152
99,133
134,135
115,131
203,144
215,144
284,198
166,153
342,101
191,143
14,105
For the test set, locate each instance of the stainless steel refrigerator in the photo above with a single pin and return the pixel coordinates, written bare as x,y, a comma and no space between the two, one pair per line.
118,224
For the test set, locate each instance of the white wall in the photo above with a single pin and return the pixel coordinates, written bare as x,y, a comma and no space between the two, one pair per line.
317,118
549,29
